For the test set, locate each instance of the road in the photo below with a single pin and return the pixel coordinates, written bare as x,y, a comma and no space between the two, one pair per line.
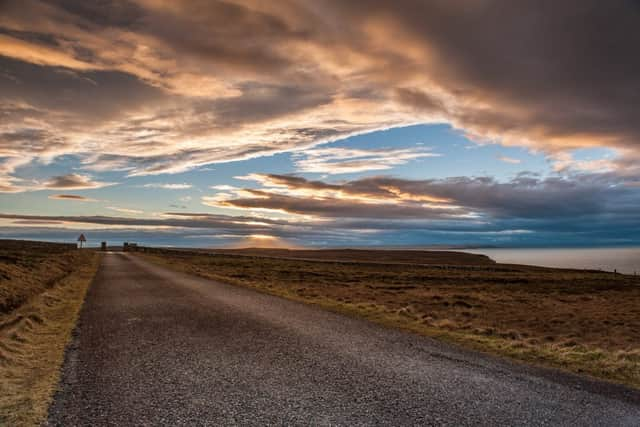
155,347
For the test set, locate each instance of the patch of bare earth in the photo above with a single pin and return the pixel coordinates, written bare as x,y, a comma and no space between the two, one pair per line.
582,321
42,287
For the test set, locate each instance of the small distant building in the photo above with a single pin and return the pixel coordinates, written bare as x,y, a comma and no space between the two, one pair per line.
128,246
81,240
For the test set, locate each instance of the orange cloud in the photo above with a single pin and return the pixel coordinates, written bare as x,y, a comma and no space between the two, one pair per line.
39,54
163,87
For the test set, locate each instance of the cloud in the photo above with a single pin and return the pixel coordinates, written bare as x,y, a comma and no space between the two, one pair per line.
72,197
152,87
457,198
240,225
126,210
38,54
337,160
545,101
223,187
566,162
511,160
74,182
166,186
583,209
332,207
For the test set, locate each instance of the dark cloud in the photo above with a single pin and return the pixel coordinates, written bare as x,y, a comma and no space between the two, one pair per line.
174,224
335,208
550,73
542,69
142,79
30,142
74,182
72,197
201,230
72,96
421,100
222,34
115,13
172,219
524,197
263,102
521,197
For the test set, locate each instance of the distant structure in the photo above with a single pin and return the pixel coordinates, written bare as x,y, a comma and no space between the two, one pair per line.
103,246
81,240
127,246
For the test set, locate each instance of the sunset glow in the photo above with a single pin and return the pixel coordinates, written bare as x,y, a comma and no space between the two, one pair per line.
313,122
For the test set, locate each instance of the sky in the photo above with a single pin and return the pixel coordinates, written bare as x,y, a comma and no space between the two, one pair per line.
321,123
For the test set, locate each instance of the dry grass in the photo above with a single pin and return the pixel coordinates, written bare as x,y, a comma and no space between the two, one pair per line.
582,321
42,289
385,256
29,268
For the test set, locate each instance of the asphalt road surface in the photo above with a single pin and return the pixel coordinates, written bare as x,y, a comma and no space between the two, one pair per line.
155,347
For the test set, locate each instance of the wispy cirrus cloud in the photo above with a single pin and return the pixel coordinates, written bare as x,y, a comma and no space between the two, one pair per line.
567,162
336,160
127,211
168,186
511,160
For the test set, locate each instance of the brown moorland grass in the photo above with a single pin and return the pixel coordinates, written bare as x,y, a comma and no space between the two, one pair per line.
42,287
582,321
387,256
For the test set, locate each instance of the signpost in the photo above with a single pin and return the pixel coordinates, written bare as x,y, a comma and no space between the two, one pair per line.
82,239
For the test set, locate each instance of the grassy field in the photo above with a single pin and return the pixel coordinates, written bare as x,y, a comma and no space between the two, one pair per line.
363,255
582,321
42,286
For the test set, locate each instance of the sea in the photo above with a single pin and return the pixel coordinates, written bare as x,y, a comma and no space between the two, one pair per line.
623,260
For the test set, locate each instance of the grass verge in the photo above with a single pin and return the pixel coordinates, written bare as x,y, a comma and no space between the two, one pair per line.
34,334
587,322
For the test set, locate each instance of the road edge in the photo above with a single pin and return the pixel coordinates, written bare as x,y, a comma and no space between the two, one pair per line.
41,330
